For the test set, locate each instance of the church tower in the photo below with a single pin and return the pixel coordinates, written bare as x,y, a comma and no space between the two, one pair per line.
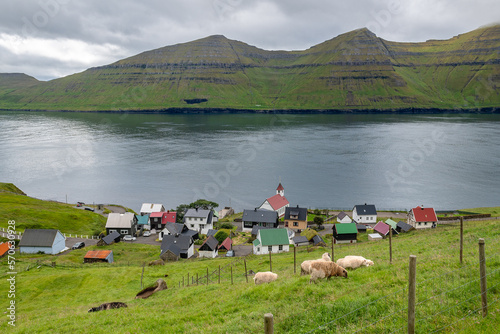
280,190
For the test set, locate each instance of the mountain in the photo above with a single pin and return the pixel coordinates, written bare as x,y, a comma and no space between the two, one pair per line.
353,71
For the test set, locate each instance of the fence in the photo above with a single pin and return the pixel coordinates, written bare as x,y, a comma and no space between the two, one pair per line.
19,234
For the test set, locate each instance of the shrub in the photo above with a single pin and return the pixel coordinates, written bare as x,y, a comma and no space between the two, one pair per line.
221,236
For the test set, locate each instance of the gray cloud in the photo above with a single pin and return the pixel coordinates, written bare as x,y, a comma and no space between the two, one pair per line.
114,29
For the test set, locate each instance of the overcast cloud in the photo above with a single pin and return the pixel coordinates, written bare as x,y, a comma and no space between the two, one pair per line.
53,38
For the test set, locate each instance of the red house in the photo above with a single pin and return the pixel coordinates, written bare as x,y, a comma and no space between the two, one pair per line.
420,217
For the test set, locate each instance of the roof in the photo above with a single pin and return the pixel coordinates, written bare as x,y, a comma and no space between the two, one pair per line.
210,244
256,228
197,213
111,237
190,233
120,220
156,214
280,187
227,243
296,211
98,254
382,228
391,222
277,201
183,242
260,216
404,226
174,228
424,214
212,232
346,228
317,240
300,239
4,247
151,207
142,220
341,215
38,238
274,236
361,227
365,210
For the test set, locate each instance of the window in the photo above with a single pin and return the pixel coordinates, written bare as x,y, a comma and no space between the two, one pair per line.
280,247
192,225
270,248
123,231
295,223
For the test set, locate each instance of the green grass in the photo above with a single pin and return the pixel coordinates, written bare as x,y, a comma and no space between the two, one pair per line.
57,299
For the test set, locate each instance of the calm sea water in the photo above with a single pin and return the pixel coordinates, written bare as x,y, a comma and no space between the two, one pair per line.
323,161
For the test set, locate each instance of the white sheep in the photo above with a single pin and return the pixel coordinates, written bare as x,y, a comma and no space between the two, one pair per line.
305,267
354,262
265,277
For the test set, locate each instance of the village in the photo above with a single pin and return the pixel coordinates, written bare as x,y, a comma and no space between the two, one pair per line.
272,227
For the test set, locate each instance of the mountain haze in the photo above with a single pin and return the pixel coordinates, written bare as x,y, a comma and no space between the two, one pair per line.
353,71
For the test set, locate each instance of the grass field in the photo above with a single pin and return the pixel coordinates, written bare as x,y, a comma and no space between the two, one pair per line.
372,299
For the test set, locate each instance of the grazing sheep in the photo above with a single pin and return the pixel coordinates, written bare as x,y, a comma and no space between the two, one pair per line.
322,269
354,262
264,277
305,267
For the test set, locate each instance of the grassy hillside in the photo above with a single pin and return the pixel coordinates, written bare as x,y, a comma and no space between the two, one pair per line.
372,299
353,71
30,212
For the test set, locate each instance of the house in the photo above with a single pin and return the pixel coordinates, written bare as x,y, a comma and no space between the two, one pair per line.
403,227
259,217
150,208
361,228
158,220
420,217
296,218
277,202
209,248
227,211
392,224
98,256
178,246
199,220
343,218
226,245
177,229
123,223
110,238
365,214
44,241
273,240
318,241
143,222
300,240
4,248
383,229
345,233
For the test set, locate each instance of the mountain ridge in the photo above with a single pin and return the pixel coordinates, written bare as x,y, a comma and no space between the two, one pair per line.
354,71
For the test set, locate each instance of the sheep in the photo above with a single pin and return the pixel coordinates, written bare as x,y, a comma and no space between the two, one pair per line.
322,269
264,277
354,262
305,267
157,263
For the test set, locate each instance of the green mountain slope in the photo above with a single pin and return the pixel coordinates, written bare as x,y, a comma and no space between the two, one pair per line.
356,70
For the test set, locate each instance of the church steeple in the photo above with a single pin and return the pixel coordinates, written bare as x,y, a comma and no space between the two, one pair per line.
280,190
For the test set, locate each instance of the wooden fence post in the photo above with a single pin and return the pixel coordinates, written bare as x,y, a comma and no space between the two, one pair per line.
270,262
188,280
294,259
207,275
412,282
219,273
196,278
231,275
333,243
246,273
268,323
182,281
390,244
461,239
482,272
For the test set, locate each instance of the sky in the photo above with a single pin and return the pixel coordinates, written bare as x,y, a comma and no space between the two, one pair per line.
48,39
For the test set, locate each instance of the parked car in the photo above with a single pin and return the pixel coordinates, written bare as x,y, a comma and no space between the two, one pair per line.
230,253
78,245
89,209
79,204
128,238
146,234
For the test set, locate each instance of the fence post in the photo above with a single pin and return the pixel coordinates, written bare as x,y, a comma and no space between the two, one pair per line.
270,262
207,276
482,272
188,280
390,244
412,282
268,323
333,254
461,239
231,275
246,272
294,259
219,273
196,278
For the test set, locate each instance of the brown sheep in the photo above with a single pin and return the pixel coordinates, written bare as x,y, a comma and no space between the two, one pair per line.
322,269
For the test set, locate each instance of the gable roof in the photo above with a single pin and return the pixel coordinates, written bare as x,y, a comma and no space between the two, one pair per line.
382,228
227,243
169,217
274,236
98,254
120,220
38,238
404,226
361,227
111,237
156,214
212,232
259,216
4,247
175,228
317,240
210,244
277,201
300,239
198,213
296,211
365,210
183,242
341,215
151,207
424,214
392,223
345,228
142,219
280,187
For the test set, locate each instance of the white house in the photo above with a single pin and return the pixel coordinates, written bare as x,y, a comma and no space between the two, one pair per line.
199,220
277,202
422,217
365,214
343,218
123,223
210,248
151,207
41,240
273,240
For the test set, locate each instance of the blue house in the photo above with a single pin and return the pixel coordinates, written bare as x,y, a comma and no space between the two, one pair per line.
41,240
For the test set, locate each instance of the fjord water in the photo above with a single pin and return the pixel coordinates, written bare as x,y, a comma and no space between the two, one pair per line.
323,161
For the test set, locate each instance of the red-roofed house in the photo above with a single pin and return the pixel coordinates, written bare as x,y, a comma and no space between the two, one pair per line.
226,245
382,228
4,248
277,202
158,220
422,217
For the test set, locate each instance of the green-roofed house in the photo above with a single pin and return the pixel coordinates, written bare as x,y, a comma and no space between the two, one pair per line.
345,233
272,240
393,225
143,222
